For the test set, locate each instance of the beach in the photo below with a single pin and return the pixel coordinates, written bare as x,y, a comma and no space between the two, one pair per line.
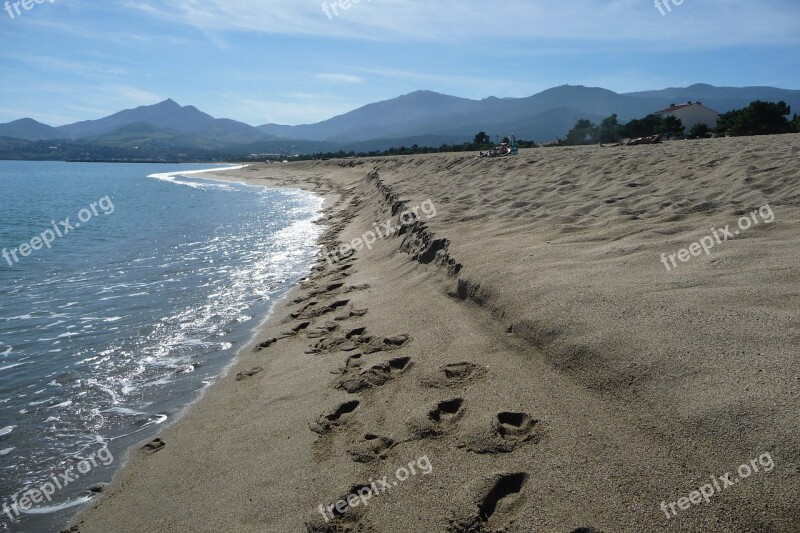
571,340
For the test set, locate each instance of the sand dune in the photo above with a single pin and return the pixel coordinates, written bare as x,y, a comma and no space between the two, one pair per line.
526,342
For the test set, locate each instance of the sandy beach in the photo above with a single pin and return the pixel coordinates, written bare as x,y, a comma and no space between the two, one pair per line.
572,340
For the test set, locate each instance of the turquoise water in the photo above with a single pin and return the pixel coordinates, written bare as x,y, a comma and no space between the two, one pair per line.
126,296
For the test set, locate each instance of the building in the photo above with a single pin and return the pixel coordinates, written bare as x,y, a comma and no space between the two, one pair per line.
691,114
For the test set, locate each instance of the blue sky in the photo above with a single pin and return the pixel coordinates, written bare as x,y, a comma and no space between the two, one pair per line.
288,62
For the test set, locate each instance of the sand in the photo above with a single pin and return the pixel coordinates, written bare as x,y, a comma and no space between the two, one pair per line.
521,361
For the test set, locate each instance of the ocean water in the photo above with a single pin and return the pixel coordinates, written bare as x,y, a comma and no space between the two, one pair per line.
129,291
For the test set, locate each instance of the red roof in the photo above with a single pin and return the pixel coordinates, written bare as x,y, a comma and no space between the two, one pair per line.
676,107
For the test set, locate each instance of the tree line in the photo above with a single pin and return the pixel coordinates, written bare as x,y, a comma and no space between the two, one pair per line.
481,141
758,118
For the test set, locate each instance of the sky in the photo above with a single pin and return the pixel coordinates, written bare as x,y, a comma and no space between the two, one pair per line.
303,61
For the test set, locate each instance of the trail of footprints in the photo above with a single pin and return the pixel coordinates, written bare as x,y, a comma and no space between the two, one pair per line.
369,364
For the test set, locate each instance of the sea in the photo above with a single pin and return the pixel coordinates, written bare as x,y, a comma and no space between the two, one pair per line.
125,291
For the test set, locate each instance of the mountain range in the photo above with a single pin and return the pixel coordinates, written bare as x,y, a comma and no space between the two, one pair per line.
425,118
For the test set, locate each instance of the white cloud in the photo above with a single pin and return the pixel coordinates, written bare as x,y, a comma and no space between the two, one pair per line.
340,78
735,21
132,96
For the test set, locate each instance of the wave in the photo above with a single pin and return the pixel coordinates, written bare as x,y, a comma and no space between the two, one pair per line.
47,509
172,177
9,367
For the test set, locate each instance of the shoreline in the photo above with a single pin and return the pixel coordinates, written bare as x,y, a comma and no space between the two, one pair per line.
330,198
525,382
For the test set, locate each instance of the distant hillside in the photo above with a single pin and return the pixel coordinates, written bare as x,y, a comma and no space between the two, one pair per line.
546,115
145,135
167,114
722,99
28,129
411,112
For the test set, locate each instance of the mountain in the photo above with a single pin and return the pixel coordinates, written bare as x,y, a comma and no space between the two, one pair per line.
167,114
543,116
722,99
389,118
146,135
426,113
29,130
424,118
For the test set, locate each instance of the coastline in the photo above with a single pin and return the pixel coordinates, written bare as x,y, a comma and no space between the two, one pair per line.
500,341
123,420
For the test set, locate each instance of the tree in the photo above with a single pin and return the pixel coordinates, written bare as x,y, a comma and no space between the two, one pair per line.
759,118
644,127
670,125
482,139
764,118
609,130
584,132
727,121
699,131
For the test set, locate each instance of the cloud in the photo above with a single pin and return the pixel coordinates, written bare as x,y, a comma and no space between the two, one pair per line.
340,78
84,68
735,21
132,95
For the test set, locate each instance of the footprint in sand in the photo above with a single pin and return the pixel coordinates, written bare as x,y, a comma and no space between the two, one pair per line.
266,344
513,425
367,344
350,313
447,411
327,422
249,373
354,288
436,421
356,379
502,434
497,498
330,288
372,448
309,311
322,330
295,330
454,374
154,446
301,326
334,306
342,518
